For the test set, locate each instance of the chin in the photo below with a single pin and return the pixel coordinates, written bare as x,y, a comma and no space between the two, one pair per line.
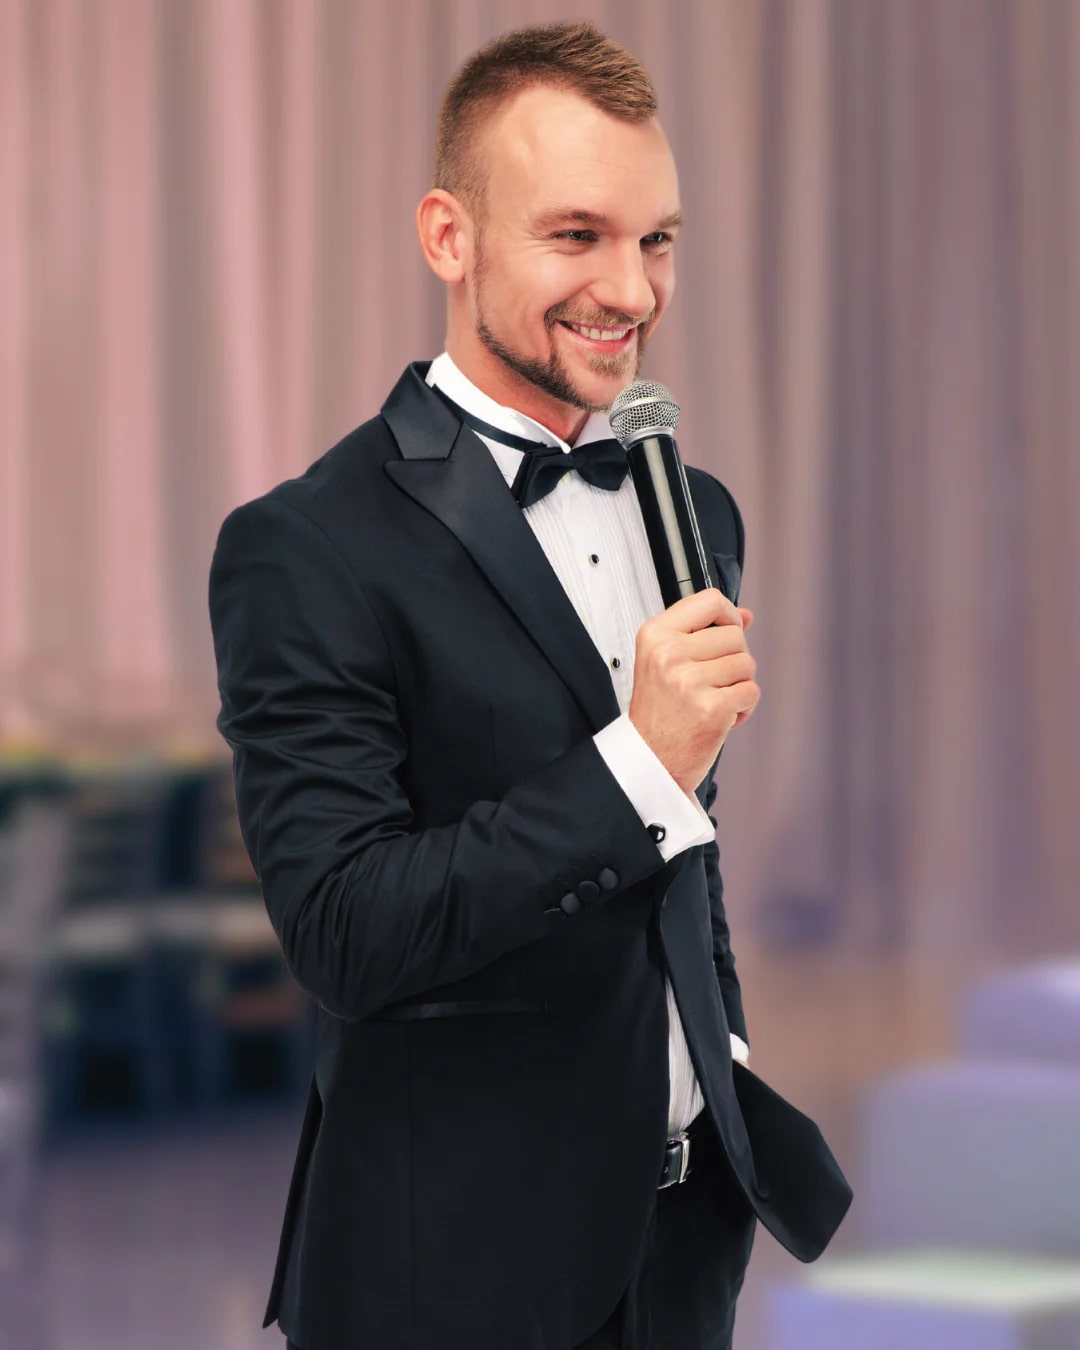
603,387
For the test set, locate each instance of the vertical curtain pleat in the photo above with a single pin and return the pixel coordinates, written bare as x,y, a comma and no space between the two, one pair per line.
1047,44
60,256
296,199
237,153
798,865
15,227
130,637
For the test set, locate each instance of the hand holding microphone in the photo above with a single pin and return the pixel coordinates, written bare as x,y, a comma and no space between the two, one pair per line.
693,681
693,672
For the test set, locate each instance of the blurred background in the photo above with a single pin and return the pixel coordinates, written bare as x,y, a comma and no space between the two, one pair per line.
209,273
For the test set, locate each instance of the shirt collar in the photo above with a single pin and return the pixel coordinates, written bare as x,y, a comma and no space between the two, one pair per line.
457,386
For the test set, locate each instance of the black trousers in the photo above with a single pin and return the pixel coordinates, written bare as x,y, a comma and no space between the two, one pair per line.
692,1262
691,1265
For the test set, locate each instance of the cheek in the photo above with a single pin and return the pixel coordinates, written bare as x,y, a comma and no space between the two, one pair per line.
663,287
557,280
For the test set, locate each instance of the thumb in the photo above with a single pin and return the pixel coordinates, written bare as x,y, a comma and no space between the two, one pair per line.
747,617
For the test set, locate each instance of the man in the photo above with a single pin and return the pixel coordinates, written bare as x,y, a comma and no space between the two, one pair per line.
473,757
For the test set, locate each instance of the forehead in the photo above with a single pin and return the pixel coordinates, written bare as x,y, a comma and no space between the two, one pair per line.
550,147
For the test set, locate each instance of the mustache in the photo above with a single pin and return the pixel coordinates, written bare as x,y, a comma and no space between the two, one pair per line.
605,318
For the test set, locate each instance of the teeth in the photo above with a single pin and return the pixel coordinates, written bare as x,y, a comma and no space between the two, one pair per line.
601,334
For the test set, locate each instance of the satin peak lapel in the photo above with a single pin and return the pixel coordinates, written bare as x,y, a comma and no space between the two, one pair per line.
728,574
448,471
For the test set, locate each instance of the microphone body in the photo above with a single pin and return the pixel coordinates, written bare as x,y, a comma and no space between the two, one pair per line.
644,418
670,523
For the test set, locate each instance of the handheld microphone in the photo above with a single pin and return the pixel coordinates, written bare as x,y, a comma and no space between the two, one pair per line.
644,418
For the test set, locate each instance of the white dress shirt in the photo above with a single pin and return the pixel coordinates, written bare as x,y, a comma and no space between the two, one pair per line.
596,544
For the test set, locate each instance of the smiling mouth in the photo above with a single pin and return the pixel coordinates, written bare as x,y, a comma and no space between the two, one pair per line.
598,334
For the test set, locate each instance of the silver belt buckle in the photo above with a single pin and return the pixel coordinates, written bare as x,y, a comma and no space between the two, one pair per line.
676,1161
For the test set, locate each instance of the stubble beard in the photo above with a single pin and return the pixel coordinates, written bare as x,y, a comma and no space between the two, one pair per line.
551,376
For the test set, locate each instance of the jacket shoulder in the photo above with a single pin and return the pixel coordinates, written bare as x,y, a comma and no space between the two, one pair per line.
346,473
352,461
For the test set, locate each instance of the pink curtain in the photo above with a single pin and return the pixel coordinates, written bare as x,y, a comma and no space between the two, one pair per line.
209,273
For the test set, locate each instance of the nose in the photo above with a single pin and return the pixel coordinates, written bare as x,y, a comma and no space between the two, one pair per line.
622,284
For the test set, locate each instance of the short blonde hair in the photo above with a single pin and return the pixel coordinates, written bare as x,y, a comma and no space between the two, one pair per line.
575,56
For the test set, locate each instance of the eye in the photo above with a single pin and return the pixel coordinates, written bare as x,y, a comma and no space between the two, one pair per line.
658,242
576,236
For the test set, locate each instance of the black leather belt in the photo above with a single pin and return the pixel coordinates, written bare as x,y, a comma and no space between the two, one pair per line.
679,1150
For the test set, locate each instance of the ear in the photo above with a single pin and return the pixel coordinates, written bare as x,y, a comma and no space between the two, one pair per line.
445,229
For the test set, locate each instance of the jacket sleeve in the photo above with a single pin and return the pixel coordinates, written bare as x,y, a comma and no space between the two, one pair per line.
369,908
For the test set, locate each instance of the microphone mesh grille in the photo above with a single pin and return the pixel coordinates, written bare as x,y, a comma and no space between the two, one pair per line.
644,404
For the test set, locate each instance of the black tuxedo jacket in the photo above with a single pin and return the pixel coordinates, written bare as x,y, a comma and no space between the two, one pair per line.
463,887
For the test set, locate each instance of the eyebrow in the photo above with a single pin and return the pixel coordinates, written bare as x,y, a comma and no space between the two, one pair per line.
560,216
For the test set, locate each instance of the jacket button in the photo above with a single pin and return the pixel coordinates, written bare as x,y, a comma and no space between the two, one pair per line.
570,904
657,833
587,892
608,878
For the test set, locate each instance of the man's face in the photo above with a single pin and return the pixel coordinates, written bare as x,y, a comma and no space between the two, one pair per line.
572,261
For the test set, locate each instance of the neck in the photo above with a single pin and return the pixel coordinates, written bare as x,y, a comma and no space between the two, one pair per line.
512,390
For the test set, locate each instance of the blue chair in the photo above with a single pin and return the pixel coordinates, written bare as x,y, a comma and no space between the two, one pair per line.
32,844
982,1154
221,951
103,1003
1030,1012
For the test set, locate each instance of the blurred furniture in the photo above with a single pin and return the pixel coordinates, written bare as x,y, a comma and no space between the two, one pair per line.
103,1000
223,951
929,1299
164,979
969,1191
32,846
976,1154
1030,1012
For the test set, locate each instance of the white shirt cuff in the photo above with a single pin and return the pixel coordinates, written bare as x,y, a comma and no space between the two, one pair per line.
739,1049
652,791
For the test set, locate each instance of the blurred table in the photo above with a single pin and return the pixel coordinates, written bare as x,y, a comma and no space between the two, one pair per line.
931,1299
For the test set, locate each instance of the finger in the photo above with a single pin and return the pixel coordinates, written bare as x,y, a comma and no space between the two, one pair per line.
725,672
747,615
698,611
745,714
724,639
750,693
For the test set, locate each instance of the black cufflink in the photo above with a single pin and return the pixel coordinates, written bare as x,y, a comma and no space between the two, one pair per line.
657,833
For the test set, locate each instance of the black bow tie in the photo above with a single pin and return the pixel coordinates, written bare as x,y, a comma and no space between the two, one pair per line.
601,463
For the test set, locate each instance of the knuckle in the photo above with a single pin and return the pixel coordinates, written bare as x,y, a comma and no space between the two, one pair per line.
682,678
715,705
666,659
